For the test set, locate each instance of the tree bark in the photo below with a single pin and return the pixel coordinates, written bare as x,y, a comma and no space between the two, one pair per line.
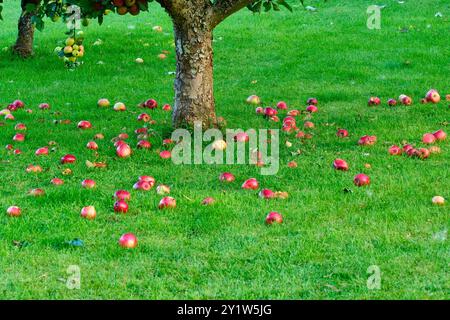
25,37
194,97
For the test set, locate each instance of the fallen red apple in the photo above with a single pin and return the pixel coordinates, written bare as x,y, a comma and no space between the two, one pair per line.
166,107
20,127
123,136
68,158
407,101
44,106
123,150
433,96
119,106
227,177
121,206
259,110
88,183
292,164
274,217
428,138
367,140
312,101
438,200
395,150
128,240
103,103
423,101
423,153
57,181
293,113
142,185
266,194
42,151
270,112
84,124
208,201
308,125
407,147
251,183
17,151
165,154
340,164
148,179
92,145
13,211
412,152
253,99
392,102
311,108
144,117
151,104
9,147
37,192
440,135
19,104
19,137
374,101
88,213
167,202
282,105
342,133
361,180
122,195
144,144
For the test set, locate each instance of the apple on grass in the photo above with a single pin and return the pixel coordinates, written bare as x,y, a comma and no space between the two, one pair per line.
103,103
88,213
167,203
68,158
122,195
88,183
438,200
254,100
340,164
123,150
274,218
14,211
121,206
250,184
128,241
361,180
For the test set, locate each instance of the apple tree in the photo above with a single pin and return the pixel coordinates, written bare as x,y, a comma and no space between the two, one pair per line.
193,23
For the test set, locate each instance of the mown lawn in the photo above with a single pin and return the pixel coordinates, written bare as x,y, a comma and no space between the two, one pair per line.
329,237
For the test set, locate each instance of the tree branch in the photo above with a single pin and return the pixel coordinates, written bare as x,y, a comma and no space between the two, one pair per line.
222,9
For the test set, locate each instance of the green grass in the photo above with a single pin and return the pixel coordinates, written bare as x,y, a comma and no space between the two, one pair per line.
329,237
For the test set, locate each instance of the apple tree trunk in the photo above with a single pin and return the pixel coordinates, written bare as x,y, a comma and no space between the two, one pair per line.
25,37
194,97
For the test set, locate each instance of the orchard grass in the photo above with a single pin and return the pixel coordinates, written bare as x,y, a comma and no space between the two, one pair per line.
329,237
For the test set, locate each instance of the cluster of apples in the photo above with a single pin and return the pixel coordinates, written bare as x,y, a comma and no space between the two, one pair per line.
72,50
432,96
133,7
421,153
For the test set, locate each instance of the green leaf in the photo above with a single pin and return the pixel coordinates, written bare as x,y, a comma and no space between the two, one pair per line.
38,22
285,4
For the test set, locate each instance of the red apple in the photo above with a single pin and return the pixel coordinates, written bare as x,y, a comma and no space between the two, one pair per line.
208,201
438,200
395,150
361,180
148,179
13,211
151,104
122,195
312,101
44,106
144,117
123,136
88,213
251,183
121,206
42,151
428,138
165,154
282,105
292,164
20,127
293,113
440,135
270,112
308,125
433,96
92,145
19,137
167,202
312,108
123,150
259,110
84,124
423,153
407,101
9,147
88,184
342,133
17,151
142,185
392,102
374,101
57,181
37,192
68,158
119,106
18,104
274,217
266,194
340,164
367,140
9,117
128,240
144,144
227,177
166,107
